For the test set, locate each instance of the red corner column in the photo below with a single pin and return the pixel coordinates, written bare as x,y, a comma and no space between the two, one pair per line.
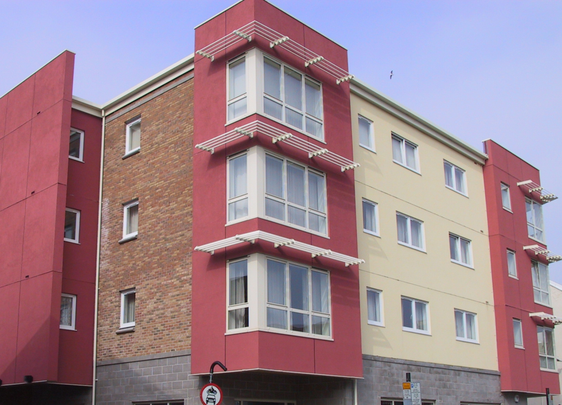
514,200
256,340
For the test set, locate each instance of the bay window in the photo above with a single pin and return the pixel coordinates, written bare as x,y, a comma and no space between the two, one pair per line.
546,348
292,98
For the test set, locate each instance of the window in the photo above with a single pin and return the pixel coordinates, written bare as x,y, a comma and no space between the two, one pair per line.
68,312
460,249
455,178
237,187
238,308
370,217
410,231
128,298
506,198
130,220
405,153
534,220
71,225
374,307
175,402
414,316
465,325
298,298
76,146
237,95
540,283
264,403
546,348
366,133
399,402
132,138
292,98
511,264
295,194
517,333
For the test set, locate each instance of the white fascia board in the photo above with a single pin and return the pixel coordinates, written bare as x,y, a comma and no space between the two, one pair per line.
159,79
86,106
373,96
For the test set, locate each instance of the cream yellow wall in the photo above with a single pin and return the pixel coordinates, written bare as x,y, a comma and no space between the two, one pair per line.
429,276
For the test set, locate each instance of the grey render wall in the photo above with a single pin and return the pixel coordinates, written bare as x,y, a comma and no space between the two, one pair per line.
166,377
446,385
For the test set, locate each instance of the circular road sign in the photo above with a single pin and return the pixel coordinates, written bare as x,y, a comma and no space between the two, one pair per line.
211,394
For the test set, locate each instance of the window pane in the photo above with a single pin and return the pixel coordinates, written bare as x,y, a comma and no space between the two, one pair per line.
313,127
517,333
272,78
75,143
274,176
417,239
238,209
465,251
237,79
272,108
129,308
238,282
320,292
369,217
373,306
133,219
276,318
320,325
411,156
506,200
299,287
470,326
275,282
459,324
237,184
238,318
66,311
453,247
70,225
459,179
316,192
397,149
365,137
511,265
297,216
421,316
274,209
134,135
449,174
293,118
293,89
402,224
295,185
313,99
317,223
407,315
236,108
300,322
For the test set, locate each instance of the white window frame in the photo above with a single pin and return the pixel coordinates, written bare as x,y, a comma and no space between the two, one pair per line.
243,96
232,308
455,186
511,264
386,401
456,243
76,238
268,402
549,358
370,144
129,150
375,214
80,157
506,196
72,325
534,225
284,200
287,307
376,318
402,159
518,333
232,201
409,243
462,335
127,219
413,305
541,279
285,105
125,296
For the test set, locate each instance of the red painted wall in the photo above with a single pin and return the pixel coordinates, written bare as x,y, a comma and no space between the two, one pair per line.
35,264
265,350
514,298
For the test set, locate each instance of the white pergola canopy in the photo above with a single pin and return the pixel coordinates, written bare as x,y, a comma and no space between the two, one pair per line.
539,250
534,189
278,241
548,317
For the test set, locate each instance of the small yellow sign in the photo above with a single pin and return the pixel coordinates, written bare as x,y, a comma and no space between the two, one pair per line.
406,386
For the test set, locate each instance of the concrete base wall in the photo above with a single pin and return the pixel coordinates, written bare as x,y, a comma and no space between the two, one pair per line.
445,385
45,394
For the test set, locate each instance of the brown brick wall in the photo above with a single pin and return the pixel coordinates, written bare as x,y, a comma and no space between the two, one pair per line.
158,262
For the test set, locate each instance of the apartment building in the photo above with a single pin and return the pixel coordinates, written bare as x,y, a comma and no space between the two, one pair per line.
264,212
50,150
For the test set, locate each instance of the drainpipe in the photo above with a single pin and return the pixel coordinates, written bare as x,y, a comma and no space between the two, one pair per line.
355,391
95,379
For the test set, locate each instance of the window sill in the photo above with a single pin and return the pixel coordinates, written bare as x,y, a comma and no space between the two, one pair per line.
412,247
68,328
416,331
537,240
543,304
131,153
123,330
369,149
456,191
513,276
474,342
507,209
372,233
128,238
279,332
548,370
288,224
407,167
379,324
76,159
519,347
300,131
468,266
72,241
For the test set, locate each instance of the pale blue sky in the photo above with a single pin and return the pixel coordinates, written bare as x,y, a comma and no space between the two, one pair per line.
477,68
